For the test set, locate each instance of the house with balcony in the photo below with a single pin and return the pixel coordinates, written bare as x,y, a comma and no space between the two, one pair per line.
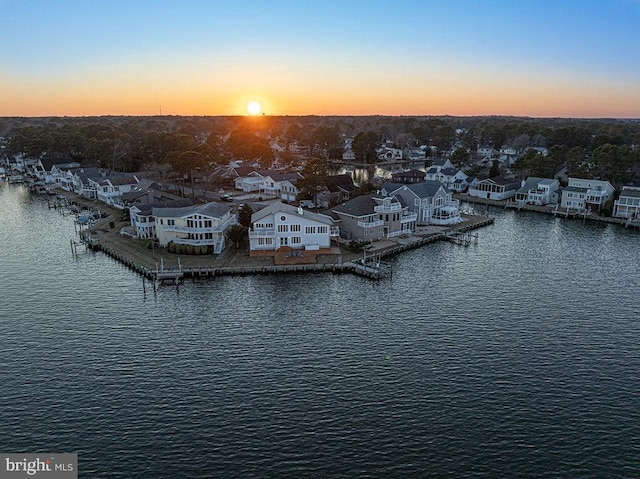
372,218
389,154
199,225
275,183
142,219
431,201
498,188
338,188
628,204
582,194
538,191
110,190
486,152
284,226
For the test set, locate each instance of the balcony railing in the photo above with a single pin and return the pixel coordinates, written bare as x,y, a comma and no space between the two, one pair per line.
409,218
394,207
370,224
262,233
335,231
210,229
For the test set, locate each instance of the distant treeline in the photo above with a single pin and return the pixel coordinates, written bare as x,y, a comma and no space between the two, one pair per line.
172,145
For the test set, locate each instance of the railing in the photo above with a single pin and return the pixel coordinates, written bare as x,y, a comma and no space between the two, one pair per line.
370,224
401,232
262,233
335,232
210,229
195,242
387,209
408,218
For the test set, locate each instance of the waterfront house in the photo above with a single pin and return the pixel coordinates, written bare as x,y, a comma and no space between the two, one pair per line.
583,194
199,225
371,218
498,188
538,191
284,226
110,190
348,154
628,204
142,219
416,153
431,201
389,154
409,176
338,188
276,183
449,176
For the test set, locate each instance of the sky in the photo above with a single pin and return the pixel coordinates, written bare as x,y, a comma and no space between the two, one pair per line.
537,58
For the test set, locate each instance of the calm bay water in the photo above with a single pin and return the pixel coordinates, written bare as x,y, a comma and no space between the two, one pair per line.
516,357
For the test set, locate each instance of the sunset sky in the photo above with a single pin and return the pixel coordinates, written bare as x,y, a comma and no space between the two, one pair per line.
540,58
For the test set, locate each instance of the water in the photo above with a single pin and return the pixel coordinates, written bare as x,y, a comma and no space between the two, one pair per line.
517,357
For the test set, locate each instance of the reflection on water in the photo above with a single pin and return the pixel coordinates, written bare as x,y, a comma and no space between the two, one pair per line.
514,357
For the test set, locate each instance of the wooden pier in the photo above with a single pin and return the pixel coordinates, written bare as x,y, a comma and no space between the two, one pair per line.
371,266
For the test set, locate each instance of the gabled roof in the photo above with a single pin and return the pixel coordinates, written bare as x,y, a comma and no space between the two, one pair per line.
148,196
147,209
448,171
120,180
408,174
213,210
424,189
279,175
501,180
358,206
342,182
279,207
630,192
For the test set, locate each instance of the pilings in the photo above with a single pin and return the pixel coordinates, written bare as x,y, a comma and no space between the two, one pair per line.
459,233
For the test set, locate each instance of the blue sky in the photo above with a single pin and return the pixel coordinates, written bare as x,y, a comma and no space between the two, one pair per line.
577,58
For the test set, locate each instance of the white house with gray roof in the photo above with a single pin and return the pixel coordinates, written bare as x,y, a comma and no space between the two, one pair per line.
583,194
498,188
628,205
371,218
538,191
448,175
431,201
277,183
284,226
199,225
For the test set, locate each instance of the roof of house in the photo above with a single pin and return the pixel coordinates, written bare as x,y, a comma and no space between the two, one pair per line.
279,207
148,195
423,189
358,206
147,209
501,180
120,180
336,183
448,171
279,175
629,191
213,210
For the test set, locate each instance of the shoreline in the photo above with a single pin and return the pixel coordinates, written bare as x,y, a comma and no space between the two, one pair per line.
158,264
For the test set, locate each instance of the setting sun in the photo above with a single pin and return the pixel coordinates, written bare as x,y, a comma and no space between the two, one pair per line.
254,108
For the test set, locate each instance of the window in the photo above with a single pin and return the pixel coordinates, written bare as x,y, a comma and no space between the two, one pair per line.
295,228
323,229
207,224
296,240
283,228
310,230
171,222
